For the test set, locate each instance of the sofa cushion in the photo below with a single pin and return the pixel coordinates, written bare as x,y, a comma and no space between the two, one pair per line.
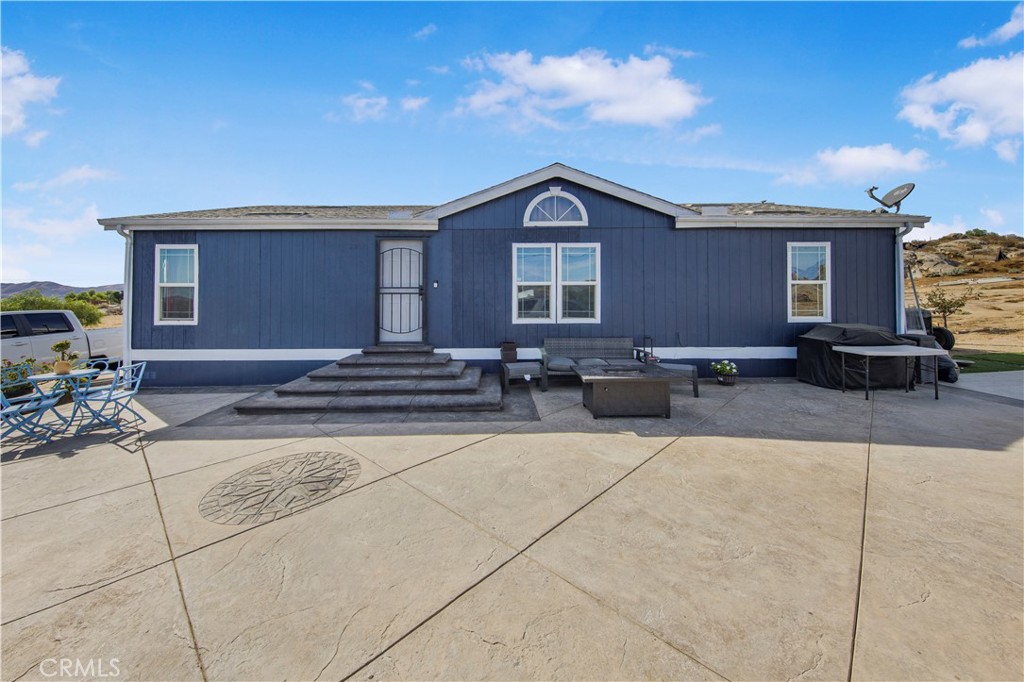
591,362
560,364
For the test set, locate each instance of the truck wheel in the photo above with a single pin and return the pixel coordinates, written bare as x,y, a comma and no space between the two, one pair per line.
944,337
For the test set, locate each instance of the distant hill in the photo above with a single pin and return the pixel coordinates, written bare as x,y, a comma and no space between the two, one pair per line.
52,288
967,254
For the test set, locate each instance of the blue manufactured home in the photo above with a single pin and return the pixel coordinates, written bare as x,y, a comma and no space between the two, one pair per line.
263,294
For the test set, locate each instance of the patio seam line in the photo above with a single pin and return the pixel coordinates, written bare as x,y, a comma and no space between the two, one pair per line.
516,553
174,566
77,499
523,551
231,459
159,478
863,536
625,616
988,397
29,446
426,461
347,492
89,591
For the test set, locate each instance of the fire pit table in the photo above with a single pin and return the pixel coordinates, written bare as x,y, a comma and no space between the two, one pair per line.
628,391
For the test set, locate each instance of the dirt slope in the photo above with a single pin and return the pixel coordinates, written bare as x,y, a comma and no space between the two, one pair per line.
993,321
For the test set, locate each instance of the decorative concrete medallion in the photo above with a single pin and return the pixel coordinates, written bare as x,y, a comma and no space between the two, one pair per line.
280,487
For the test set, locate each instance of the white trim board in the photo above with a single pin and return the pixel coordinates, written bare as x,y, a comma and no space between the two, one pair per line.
156,224
331,354
558,170
820,222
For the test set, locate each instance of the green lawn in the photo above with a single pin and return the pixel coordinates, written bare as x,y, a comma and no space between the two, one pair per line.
993,362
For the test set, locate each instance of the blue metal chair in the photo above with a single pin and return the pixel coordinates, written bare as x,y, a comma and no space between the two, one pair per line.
105,404
13,380
25,415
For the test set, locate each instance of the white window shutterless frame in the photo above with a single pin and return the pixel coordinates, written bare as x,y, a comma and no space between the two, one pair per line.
809,281
556,283
176,286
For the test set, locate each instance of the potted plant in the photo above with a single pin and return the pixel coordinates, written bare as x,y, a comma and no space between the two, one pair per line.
65,356
725,371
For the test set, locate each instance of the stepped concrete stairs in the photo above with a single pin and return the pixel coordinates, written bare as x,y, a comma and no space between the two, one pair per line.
389,378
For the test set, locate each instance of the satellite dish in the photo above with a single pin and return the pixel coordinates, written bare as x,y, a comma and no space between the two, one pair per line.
894,197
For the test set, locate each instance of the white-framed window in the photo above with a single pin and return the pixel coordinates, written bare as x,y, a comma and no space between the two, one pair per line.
809,286
555,208
556,283
176,291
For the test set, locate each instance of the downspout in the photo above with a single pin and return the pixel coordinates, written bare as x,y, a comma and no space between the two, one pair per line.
126,301
901,307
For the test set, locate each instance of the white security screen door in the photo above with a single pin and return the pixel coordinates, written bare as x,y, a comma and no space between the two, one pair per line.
400,291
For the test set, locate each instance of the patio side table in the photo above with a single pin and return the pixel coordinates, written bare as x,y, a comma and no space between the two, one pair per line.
517,370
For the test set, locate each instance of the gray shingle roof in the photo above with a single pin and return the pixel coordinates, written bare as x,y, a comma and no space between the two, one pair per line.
289,213
286,213
768,208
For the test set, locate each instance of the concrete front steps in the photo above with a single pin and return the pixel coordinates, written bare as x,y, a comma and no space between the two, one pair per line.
400,377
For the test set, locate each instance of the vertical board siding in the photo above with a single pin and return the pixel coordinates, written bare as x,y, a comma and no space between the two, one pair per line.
266,289
692,287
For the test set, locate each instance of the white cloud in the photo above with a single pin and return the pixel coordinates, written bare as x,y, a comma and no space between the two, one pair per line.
365,108
65,229
1007,149
995,218
1011,29
366,85
694,136
473,64
425,32
414,103
982,103
635,91
17,258
36,137
439,70
655,48
934,230
858,164
72,176
20,88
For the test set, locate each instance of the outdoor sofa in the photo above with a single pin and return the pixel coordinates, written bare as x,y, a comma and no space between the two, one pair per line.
560,355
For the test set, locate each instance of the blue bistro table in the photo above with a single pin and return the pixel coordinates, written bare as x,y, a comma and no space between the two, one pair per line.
78,380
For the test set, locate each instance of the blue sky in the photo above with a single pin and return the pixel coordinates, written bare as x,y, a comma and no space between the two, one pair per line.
123,109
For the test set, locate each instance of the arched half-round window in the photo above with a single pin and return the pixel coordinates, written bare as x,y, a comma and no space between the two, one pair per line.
555,208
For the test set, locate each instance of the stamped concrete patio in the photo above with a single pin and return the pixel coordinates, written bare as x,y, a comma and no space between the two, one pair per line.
769,531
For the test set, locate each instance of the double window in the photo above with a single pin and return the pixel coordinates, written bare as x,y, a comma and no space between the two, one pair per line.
809,265
556,283
177,284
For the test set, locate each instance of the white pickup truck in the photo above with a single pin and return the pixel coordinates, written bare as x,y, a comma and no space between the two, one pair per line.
30,333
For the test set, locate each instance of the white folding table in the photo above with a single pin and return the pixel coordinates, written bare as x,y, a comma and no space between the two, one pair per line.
868,352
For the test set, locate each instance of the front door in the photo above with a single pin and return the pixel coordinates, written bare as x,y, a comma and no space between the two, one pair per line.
400,291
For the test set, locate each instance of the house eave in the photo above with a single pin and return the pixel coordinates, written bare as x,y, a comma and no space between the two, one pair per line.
558,170
398,225
890,221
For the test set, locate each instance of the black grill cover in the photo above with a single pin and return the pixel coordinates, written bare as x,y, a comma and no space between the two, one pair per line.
818,364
